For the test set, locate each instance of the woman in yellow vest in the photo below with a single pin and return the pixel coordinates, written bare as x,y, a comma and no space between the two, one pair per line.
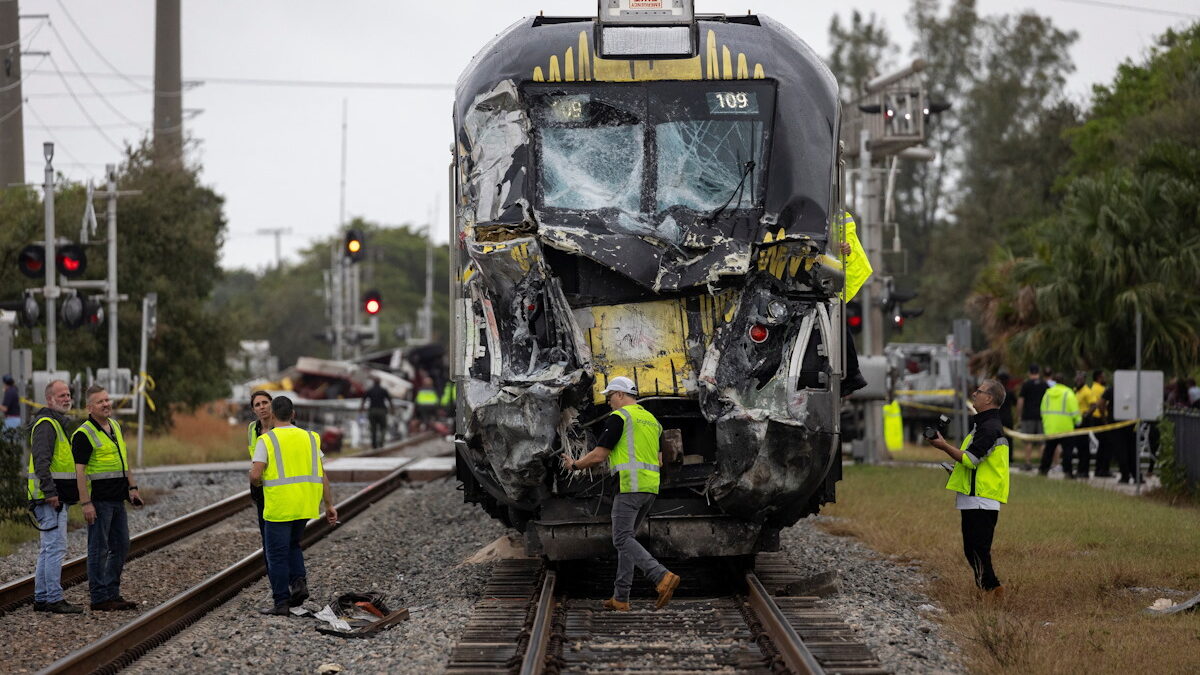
260,403
287,463
630,443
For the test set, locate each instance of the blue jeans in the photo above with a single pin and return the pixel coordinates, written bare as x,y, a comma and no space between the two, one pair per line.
285,559
108,544
11,422
47,576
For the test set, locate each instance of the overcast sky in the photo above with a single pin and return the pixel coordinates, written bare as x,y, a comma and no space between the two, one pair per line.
274,151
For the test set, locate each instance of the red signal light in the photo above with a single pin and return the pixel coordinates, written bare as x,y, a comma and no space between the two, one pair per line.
854,321
71,260
372,302
758,333
32,261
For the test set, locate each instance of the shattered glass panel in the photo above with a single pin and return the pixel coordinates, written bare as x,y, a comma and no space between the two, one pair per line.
702,164
592,168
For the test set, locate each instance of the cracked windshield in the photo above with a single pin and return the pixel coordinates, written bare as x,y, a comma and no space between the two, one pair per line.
703,152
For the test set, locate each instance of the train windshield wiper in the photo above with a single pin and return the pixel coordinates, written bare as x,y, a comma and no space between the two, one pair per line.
738,191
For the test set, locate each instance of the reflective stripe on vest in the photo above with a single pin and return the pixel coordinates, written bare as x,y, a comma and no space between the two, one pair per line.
427,397
292,497
632,463
62,462
109,458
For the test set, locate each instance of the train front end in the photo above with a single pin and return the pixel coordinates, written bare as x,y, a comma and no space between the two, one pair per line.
663,219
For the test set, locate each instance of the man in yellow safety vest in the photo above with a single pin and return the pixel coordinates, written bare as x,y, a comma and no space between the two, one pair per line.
980,478
630,443
1060,414
50,489
857,267
287,462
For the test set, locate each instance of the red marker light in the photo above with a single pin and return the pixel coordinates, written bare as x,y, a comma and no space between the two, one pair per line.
70,264
372,306
854,321
758,333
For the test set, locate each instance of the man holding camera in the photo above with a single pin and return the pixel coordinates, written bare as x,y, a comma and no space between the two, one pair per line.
980,477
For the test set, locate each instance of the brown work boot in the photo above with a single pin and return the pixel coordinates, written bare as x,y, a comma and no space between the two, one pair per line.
666,588
615,605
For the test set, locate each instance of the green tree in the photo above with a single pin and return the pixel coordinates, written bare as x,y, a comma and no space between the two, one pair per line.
168,240
1126,237
287,305
860,52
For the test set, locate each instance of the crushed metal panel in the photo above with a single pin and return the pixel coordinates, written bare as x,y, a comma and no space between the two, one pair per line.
645,341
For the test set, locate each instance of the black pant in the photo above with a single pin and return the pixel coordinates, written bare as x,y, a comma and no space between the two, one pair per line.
852,367
1068,447
978,526
1083,449
1124,448
377,417
1104,453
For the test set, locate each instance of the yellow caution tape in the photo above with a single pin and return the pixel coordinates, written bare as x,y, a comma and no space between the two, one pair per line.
146,385
1081,431
927,392
922,406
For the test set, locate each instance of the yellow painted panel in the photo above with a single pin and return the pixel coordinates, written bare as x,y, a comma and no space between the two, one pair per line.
726,64
592,67
569,65
643,341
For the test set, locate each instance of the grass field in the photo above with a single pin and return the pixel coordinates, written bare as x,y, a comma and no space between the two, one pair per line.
1079,565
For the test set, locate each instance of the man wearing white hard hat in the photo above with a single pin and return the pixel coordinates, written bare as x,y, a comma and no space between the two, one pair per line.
630,443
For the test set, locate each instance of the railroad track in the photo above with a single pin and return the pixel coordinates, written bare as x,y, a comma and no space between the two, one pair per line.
19,592
530,621
125,645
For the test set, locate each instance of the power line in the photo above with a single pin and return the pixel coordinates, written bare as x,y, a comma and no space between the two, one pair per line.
83,35
58,146
270,82
96,89
25,75
1133,8
82,108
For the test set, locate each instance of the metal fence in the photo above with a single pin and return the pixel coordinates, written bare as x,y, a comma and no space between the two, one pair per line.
1187,442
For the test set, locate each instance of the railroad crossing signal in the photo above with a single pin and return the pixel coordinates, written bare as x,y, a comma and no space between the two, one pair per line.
354,248
32,261
71,260
81,310
372,302
854,317
27,309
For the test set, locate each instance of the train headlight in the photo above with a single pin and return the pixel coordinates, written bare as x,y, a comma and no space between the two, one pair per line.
646,28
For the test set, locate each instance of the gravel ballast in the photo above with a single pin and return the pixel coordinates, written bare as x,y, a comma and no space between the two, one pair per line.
168,495
880,598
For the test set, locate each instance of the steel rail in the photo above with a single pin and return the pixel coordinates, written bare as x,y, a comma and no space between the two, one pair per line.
398,445
795,653
122,647
534,662
20,592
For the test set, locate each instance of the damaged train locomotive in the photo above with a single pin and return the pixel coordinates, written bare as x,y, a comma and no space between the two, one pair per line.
659,218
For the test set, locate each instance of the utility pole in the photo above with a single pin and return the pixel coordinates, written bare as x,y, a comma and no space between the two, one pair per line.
168,85
51,290
278,233
12,126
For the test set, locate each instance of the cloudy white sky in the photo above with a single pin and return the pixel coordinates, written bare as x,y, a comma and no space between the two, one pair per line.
274,150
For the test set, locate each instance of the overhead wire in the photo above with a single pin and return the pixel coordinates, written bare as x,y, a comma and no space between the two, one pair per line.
89,43
83,108
272,82
58,146
1134,8
96,89
25,75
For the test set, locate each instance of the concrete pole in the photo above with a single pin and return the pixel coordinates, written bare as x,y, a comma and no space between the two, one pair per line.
168,85
51,265
12,126
336,297
870,231
111,170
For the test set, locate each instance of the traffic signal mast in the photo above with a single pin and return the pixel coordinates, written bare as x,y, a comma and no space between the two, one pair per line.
887,123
